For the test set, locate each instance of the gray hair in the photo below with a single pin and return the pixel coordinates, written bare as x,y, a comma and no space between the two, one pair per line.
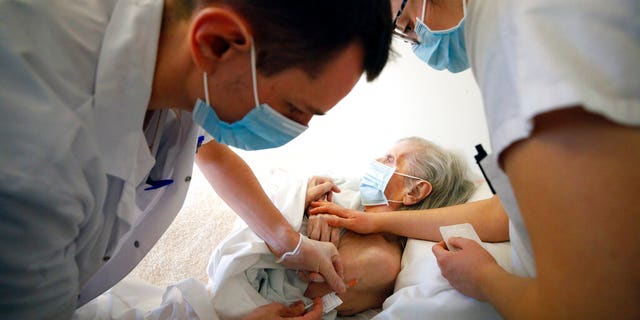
446,171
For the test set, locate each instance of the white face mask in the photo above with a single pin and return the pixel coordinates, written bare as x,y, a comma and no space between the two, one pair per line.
374,183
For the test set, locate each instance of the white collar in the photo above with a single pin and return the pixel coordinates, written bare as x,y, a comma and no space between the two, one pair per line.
123,82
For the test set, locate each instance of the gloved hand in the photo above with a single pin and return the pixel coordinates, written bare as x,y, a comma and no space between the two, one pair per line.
320,257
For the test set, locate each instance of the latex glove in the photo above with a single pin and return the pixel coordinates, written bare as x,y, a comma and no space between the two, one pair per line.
319,229
317,257
319,188
465,268
295,311
353,220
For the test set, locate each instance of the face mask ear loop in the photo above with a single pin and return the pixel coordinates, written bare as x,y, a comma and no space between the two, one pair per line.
253,72
206,87
424,8
464,8
409,176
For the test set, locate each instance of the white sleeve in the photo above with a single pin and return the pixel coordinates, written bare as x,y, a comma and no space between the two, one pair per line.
588,48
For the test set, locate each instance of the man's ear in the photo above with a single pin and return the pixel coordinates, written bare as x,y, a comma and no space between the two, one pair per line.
216,34
420,191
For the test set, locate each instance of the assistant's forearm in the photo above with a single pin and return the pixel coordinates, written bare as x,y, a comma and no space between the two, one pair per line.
487,217
236,184
581,213
512,296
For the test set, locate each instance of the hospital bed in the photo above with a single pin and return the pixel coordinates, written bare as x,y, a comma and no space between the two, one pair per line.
420,290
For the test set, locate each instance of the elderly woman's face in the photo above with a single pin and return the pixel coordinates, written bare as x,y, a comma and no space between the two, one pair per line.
396,157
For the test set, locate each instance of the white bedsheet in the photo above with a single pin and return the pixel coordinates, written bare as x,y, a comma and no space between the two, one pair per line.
233,287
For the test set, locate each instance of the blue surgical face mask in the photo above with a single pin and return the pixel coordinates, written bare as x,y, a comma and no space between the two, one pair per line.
374,182
261,128
444,49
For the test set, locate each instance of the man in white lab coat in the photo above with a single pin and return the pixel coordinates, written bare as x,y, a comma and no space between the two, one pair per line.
94,162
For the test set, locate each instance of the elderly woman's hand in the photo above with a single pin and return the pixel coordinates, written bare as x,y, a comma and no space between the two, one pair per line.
319,229
319,188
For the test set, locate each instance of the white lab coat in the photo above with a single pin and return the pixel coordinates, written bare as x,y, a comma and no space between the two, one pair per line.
75,80
534,56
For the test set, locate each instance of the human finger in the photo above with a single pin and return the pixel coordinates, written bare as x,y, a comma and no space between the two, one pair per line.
294,310
335,236
319,203
329,196
322,189
339,222
269,311
315,313
326,230
461,243
332,269
338,286
313,229
318,207
315,277
439,249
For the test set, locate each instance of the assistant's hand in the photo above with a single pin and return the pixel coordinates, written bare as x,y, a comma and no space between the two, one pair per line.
319,188
319,229
279,311
318,257
464,269
353,220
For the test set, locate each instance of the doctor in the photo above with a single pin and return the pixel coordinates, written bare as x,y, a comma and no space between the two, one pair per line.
101,109
561,87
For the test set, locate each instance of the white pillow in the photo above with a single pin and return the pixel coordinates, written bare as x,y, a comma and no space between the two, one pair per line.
422,293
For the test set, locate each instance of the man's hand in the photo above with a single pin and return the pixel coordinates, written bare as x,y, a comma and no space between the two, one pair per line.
353,220
464,269
318,257
295,311
319,229
319,188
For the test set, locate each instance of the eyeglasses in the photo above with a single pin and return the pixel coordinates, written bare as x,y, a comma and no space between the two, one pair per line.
404,37
400,33
395,20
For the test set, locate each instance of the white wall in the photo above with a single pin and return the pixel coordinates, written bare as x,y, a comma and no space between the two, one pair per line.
409,98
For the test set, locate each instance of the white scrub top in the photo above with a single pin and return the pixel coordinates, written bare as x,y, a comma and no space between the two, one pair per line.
534,56
75,80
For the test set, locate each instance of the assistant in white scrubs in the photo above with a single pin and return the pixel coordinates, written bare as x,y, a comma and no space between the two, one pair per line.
560,82
93,170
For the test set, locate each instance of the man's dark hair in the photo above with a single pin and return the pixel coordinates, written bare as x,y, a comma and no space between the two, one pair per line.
309,33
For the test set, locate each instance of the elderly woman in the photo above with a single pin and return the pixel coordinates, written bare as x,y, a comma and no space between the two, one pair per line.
415,174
